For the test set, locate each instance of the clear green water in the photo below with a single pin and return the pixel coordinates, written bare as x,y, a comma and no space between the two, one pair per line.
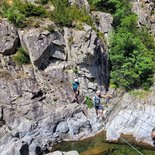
98,146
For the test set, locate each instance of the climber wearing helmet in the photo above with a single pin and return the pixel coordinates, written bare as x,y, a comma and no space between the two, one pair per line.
75,87
97,103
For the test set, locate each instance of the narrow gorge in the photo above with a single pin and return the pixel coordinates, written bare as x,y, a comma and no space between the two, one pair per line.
38,63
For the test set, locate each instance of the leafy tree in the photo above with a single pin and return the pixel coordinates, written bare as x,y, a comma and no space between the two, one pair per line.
131,54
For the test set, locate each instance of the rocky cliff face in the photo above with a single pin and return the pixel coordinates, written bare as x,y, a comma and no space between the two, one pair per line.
145,9
132,115
35,99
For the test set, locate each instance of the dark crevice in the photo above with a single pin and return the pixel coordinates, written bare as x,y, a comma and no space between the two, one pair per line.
38,151
37,94
24,149
2,121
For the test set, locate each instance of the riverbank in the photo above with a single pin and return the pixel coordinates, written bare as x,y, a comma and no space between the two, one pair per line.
98,145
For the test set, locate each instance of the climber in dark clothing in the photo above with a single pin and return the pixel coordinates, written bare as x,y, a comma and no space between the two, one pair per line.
75,87
97,103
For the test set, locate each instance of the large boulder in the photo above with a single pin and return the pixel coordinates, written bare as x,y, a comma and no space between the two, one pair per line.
8,38
43,46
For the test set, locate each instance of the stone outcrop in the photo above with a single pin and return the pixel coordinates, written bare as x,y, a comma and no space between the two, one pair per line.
79,52
132,116
64,153
8,38
35,115
35,123
145,11
43,45
103,22
90,56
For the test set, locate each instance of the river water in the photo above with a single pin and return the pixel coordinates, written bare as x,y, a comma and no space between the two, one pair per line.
98,146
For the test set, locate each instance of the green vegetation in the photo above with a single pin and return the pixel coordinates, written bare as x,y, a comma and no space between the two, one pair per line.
89,102
21,57
50,28
65,15
140,94
101,36
18,12
131,48
103,5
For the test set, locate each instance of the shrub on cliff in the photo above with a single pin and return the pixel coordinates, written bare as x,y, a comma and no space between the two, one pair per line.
65,15
102,5
21,57
15,16
18,11
89,102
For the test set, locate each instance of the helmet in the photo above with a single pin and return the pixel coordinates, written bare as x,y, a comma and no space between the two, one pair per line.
76,80
98,92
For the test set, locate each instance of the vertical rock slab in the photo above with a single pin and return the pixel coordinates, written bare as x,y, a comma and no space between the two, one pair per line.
8,38
88,51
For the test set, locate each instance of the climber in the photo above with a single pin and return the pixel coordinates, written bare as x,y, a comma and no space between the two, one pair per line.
97,103
153,135
75,87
